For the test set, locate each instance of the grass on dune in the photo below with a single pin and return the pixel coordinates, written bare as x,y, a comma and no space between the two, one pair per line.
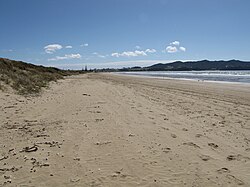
28,78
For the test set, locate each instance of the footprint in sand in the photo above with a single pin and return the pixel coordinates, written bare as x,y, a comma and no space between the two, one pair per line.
166,149
191,144
238,157
164,128
205,157
173,136
97,120
74,180
213,145
198,135
223,170
86,94
131,135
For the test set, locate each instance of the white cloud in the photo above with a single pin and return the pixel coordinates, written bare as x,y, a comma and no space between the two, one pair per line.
52,48
175,43
137,47
66,57
133,53
129,54
140,53
150,51
84,45
174,47
182,49
115,54
171,49
68,47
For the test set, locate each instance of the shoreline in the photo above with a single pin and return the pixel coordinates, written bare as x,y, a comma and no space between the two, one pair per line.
110,130
217,84
184,79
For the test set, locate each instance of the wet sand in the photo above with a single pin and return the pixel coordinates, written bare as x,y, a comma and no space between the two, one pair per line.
114,130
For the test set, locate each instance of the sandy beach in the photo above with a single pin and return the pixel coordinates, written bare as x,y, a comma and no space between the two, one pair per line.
114,130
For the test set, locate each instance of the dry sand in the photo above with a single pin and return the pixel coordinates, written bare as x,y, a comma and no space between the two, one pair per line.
110,130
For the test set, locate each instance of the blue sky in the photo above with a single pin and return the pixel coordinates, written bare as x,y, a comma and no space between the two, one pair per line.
121,33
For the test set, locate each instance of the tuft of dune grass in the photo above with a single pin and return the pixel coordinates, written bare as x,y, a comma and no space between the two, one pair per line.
27,78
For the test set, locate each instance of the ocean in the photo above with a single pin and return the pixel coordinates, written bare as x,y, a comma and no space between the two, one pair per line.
223,76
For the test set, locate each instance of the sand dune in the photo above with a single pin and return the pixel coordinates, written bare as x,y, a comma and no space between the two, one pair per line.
110,130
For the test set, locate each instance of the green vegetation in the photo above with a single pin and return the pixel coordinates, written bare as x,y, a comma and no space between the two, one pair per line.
28,78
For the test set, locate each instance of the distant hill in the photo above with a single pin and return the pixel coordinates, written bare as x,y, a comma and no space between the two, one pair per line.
27,78
200,65
194,65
